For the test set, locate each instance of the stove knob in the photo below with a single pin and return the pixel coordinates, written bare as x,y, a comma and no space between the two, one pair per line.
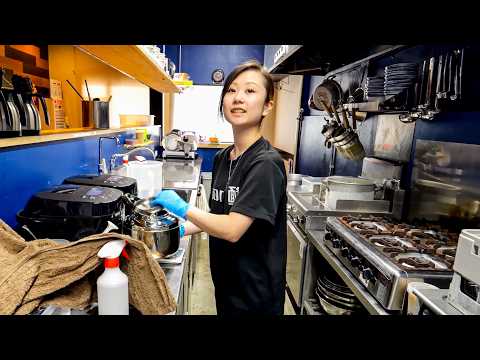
361,267
301,220
345,251
336,243
355,261
328,236
367,274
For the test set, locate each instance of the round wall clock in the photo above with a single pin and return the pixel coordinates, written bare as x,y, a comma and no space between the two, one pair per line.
218,76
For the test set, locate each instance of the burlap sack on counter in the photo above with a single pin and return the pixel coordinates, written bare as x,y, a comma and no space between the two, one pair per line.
43,272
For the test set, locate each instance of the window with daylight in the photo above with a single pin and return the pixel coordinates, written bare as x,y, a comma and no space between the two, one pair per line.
196,109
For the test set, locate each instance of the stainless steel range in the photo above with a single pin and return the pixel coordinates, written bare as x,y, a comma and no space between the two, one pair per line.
384,255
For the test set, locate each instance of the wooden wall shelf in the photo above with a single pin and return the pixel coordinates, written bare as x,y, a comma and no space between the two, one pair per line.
135,62
60,135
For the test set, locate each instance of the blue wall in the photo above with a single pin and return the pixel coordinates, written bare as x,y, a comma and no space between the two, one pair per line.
200,60
207,154
29,169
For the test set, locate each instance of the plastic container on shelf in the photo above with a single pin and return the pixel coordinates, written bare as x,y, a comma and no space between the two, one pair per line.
127,120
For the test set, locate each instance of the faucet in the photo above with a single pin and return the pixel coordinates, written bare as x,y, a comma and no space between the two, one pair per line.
128,153
102,167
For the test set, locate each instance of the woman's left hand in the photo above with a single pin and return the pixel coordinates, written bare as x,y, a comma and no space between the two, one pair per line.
170,200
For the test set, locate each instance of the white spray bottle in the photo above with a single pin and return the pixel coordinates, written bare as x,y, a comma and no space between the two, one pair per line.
112,285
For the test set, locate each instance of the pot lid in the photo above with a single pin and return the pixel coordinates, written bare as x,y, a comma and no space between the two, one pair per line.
322,94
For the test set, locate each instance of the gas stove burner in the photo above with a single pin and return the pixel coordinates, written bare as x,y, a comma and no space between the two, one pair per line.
421,234
446,250
349,219
368,225
400,229
435,232
416,261
391,244
426,249
447,253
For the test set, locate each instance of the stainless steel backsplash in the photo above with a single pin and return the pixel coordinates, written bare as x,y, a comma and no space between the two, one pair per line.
446,182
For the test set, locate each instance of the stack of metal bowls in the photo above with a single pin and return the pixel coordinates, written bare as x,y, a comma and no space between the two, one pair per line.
335,297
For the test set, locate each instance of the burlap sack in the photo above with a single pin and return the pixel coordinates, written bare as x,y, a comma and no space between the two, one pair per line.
43,272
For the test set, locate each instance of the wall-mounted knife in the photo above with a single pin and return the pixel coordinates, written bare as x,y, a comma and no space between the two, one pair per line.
443,93
449,89
460,75
439,81
428,96
456,64
421,98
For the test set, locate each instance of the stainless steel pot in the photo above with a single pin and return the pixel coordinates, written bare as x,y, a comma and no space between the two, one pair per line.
156,227
295,179
349,184
349,145
347,188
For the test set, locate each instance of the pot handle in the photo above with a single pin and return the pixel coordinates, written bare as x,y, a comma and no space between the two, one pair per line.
129,199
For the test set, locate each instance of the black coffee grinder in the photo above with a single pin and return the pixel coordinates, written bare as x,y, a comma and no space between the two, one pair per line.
29,114
9,114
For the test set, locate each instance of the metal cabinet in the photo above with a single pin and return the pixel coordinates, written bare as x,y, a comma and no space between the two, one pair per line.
190,260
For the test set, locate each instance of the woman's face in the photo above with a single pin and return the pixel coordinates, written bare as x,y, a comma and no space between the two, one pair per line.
244,102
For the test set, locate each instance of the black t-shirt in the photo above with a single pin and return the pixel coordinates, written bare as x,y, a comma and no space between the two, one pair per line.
249,275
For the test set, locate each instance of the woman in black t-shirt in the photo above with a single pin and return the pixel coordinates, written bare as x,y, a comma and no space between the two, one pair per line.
247,221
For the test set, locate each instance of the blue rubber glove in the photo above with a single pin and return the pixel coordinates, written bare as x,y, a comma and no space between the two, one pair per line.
170,200
182,230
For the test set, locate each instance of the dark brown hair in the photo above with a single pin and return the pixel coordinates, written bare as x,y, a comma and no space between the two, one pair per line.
248,65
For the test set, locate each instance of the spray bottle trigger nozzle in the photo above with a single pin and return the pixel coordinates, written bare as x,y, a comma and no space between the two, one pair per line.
112,249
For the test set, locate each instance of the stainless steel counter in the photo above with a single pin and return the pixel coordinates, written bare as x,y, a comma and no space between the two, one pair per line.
175,273
180,174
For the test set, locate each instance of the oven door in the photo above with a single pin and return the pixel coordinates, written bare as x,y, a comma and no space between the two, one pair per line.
296,255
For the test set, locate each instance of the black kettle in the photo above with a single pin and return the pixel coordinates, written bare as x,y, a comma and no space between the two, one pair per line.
29,114
9,113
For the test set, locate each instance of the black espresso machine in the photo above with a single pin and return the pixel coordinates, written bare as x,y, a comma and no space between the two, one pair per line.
10,125
126,184
70,212
82,206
